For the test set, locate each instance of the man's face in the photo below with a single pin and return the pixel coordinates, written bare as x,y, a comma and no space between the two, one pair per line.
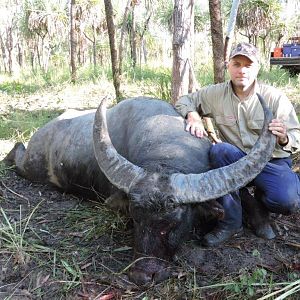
242,71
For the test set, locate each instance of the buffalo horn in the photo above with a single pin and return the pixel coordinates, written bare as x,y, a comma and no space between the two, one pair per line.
120,172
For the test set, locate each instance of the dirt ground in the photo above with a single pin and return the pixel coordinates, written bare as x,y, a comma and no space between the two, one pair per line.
70,248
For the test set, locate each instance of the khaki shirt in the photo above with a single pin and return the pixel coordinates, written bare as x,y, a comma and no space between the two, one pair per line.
240,122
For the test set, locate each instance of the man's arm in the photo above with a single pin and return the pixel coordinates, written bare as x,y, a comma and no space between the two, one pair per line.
286,126
188,106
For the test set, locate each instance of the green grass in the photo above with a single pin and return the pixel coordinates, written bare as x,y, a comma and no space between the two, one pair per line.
21,124
17,87
12,236
28,82
278,77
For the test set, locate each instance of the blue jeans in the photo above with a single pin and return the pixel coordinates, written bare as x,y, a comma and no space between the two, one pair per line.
277,185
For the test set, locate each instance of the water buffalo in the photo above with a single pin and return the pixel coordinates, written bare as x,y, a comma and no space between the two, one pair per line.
139,148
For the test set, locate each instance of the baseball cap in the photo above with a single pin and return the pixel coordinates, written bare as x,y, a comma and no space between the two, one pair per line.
245,49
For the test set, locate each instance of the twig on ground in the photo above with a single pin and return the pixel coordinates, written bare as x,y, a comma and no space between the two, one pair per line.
288,224
297,245
15,193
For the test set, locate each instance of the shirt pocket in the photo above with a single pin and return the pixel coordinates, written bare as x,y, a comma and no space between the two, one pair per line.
255,125
225,121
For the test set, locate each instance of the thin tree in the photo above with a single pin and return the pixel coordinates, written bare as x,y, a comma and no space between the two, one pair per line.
113,47
182,28
123,30
3,50
72,41
9,47
133,38
217,39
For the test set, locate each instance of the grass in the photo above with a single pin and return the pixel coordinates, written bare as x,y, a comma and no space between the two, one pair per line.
279,77
21,124
16,87
12,236
68,259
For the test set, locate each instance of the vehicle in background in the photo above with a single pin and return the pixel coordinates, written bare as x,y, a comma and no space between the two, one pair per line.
288,56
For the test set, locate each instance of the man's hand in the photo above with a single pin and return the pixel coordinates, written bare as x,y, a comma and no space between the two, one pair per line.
195,125
278,128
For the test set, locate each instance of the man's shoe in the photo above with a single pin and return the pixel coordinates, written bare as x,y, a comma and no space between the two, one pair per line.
220,235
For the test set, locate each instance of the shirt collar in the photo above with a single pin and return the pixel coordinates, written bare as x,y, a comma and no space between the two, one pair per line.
253,92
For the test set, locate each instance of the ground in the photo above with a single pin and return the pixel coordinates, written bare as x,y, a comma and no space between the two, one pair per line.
59,246
70,248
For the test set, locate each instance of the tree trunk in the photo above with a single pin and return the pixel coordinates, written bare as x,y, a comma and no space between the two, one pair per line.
192,76
143,49
20,54
9,47
182,28
72,42
113,49
94,49
123,29
133,39
37,52
217,39
3,50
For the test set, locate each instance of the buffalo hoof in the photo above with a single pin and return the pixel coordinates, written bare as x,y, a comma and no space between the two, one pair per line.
149,271
265,231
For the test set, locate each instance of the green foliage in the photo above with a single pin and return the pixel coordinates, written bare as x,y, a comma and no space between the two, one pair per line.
247,282
201,18
256,17
277,77
73,273
29,82
12,236
94,221
21,124
3,169
155,82
17,87
163,14
205,74
161,88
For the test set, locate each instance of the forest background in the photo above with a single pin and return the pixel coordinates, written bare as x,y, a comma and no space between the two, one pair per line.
46,40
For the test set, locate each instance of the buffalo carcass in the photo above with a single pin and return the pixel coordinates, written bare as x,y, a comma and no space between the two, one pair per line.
147,154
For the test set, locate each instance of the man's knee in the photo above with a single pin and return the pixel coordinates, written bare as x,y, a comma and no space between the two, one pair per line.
290,205
284,204
220,150
223,154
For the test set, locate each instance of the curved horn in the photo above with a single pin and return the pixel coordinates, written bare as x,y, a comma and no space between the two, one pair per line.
219,182
120,172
